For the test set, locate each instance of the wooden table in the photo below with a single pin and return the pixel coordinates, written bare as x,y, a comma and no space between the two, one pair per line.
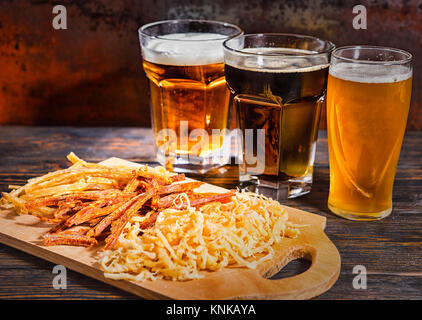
390,249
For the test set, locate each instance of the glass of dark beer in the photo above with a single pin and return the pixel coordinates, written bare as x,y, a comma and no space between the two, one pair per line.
278,84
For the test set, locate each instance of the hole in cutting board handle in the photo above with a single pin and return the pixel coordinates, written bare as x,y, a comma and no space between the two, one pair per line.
293,268
298,261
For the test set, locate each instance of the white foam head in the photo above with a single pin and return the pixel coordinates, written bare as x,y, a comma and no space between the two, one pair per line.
277,60
370,73
185,49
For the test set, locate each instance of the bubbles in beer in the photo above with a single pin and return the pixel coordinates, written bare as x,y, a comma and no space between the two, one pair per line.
370,73
185,49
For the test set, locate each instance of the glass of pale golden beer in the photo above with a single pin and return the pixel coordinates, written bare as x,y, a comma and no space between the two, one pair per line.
368,99
278,84
189,98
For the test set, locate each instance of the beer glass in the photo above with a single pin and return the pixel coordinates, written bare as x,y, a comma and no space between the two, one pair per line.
278,84
183,60
368,100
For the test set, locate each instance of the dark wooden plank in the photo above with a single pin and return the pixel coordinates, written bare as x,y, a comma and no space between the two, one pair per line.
24,276
46,145
390,249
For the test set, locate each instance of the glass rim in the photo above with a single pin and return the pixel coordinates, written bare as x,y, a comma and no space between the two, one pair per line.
141,30
408,56
298,36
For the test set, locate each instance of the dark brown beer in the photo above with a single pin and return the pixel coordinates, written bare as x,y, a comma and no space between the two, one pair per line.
286,101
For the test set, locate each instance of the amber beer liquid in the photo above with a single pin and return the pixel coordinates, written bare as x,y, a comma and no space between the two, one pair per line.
190,91
367,108
189,98
195,93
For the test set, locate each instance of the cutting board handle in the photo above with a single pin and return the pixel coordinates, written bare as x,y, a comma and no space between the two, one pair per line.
322,274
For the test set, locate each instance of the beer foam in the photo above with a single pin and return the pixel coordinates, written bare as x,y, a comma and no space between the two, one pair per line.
370,73
185,49
277,60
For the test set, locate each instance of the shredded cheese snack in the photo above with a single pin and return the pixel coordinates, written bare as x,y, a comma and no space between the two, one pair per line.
182,243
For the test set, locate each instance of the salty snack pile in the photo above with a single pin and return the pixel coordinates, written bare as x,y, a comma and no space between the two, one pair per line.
185,242
91,202
153,223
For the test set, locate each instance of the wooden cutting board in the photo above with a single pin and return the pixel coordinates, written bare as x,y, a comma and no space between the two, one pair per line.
24,233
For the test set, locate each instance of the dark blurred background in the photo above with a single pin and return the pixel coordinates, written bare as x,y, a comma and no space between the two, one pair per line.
90,74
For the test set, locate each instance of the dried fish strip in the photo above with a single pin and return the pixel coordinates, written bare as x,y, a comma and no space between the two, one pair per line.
68,239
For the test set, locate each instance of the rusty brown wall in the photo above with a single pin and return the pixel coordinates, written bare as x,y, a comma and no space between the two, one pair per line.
90,74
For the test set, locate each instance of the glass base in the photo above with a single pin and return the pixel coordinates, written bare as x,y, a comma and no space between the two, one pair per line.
227,176
192,164
285,189
360,216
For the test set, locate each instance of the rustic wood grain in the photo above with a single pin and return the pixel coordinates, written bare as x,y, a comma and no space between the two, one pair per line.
391,249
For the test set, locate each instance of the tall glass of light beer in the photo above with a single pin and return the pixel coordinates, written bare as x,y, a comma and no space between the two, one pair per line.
368,99
183,60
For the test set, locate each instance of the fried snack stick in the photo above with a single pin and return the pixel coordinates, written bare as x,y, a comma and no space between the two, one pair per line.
177,178
198,199
94,221
93,215
126,217
81,230
54,200
138,174
62,229
46,219
160,180
81,216
57,228
220,197
133,183
68,239
64,176
150,221
66,209
104,223
168,200
179,187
